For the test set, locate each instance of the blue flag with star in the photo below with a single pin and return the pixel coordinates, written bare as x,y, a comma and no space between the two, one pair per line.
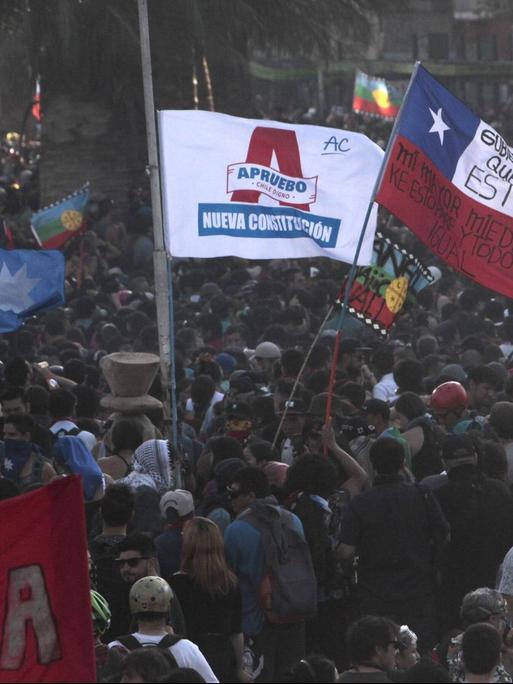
31,282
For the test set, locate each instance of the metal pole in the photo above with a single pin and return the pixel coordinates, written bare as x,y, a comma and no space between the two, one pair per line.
160,256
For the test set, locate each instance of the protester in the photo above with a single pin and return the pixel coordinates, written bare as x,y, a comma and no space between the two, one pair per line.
147,665
482,606
177,509
278,646
150,602
393,529
136,559
126,438
313,669
481,653
23,461
473,504
407,654
210,599
372,647
116,510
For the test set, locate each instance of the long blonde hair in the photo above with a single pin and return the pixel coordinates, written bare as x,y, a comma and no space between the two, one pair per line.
203,556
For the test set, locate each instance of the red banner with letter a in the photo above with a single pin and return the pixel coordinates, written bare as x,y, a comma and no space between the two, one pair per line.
45,605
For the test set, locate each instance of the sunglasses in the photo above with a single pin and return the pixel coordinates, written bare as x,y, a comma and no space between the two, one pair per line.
131,562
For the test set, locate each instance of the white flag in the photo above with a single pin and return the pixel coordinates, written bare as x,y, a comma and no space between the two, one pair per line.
261,189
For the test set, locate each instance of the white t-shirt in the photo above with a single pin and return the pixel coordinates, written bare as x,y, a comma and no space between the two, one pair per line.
216,397
385,389
209,415
184,652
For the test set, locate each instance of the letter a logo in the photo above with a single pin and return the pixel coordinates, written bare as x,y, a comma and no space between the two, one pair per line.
28,603
264,141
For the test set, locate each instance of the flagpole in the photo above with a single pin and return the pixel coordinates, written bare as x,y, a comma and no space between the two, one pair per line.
161,262
301,371
350,280
354,265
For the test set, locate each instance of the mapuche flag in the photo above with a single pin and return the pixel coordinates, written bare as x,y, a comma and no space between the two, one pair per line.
449,178
56,224
45,607
375,96
380,292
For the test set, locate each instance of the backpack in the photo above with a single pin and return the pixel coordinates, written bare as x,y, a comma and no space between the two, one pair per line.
288,591
427,461
323,532
131,643
315,526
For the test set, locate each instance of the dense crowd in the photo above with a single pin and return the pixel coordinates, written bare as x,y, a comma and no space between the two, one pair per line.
265,541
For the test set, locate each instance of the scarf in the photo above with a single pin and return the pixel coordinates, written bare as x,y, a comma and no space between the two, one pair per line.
152,459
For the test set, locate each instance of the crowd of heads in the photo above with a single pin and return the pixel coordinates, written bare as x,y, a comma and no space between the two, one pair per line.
431,407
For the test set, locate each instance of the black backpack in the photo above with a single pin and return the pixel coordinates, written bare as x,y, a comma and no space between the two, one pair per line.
288,592
131,643
322,532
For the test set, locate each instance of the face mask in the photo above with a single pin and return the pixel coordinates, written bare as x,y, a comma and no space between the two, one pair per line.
16,448
17,453
240,435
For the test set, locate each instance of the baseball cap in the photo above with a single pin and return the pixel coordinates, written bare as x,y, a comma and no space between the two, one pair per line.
458,447
376,407
318,405
481,604
294,407
241,382
454,371
180,499
238,409
227,362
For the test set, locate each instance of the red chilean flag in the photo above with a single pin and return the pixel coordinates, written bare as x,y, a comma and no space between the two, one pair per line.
449,178
45,605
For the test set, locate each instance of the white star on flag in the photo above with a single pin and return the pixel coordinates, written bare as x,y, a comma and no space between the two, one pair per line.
15,289
439,126
8,464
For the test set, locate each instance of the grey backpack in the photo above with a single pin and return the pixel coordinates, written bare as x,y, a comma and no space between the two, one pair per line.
288,591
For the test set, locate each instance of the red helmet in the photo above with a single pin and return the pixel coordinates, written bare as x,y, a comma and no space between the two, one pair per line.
449,395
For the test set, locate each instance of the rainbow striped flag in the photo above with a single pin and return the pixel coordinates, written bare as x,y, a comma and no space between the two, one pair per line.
55,224
375,96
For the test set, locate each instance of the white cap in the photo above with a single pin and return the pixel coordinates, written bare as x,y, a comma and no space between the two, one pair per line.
180,499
